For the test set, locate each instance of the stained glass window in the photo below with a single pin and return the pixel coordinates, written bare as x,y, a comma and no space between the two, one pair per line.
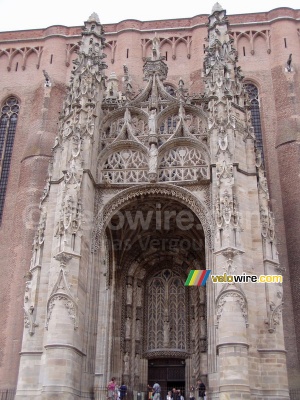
255,115
8,123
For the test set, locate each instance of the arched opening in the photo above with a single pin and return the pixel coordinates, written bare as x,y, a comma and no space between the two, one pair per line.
158,324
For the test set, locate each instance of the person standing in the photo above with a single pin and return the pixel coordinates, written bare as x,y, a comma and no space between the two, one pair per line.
156,391
192,393
111,388
201,389
123,391
173,394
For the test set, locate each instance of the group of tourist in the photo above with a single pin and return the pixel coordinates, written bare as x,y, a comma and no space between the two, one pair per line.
116,392
176,394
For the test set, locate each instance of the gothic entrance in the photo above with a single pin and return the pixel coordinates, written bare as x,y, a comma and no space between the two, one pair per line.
158,324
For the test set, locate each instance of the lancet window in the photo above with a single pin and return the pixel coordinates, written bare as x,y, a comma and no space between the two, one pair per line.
255,115
8,123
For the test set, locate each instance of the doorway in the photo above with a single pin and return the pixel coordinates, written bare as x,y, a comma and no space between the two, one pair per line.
169,373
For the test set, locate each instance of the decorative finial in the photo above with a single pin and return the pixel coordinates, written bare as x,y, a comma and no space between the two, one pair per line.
94,17
217,7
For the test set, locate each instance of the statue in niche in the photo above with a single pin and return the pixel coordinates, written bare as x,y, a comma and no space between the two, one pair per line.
152,121
139,296
202,295
138,329
136,364
166,333
155,48
202,327
193,330
126,364
129,294
195,366
127,328
140,127
127,116
153,152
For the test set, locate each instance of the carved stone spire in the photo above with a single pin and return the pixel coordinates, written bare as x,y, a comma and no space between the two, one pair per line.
221,75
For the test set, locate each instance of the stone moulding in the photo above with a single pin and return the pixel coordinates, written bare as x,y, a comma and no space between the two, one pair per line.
232,344
166,353
64,346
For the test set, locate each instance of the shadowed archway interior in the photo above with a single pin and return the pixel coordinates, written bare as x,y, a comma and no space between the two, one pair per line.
154,242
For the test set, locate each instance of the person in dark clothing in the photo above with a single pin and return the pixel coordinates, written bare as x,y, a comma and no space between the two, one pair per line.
201,389
123,391
174,394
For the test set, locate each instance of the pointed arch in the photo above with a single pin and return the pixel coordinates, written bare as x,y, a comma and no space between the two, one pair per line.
13,54
70,49
36,50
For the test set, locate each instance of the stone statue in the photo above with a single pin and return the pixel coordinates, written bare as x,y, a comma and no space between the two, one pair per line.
127,116
127,326
129,294
202,327
153,158
126,364
152,121
166,333
155,48
138,330
136,364
139,296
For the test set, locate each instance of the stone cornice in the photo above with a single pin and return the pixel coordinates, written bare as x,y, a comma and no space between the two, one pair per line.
153,25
